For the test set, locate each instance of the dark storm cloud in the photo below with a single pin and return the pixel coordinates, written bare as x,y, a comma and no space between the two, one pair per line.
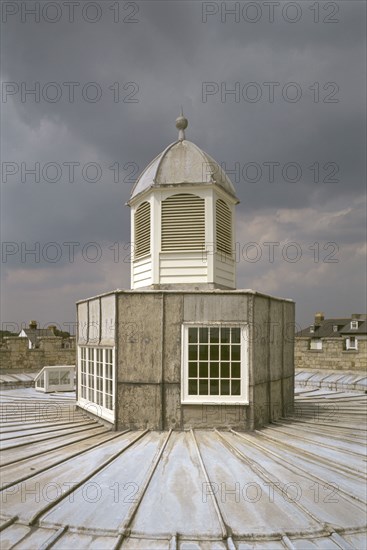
169,55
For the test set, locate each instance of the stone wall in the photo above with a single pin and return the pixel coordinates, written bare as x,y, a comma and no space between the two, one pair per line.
16,355
332,356
149,361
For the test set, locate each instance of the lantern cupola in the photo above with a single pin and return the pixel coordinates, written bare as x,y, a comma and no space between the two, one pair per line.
183,221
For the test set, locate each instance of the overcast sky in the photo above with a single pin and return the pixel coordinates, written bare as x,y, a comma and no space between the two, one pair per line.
109,80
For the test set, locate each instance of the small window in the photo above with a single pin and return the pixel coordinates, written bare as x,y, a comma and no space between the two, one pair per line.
354,325
351,343
96,380
215,365
316,343
312,329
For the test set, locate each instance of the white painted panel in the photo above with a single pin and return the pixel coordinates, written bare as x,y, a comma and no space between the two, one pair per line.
172,279
82,323
183,271
108,310
94,322
142,267
186,267
141,278
142,283
224,271
142,272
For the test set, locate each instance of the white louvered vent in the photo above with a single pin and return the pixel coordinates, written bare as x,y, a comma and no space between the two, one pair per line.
223,217
142,230
183,223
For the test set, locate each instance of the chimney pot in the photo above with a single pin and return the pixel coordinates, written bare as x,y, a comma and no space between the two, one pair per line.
319,317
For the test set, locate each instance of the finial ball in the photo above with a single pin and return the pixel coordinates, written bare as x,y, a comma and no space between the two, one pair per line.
181,123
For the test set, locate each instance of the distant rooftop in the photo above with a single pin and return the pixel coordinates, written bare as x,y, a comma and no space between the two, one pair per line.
335,327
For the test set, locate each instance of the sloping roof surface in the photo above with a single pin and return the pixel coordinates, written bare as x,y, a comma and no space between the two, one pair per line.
182,162
325,329
69,482
362,328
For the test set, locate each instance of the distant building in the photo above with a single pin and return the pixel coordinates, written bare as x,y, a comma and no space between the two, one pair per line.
335,343
33,348
183,348
33,333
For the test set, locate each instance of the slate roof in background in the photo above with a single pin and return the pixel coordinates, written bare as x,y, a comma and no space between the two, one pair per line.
362,329
325,329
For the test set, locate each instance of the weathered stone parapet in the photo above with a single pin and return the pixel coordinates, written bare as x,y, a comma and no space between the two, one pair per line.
15,353
333,355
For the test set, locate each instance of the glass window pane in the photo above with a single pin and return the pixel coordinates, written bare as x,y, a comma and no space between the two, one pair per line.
203,353
203,387
203,370
214,370
203,334
224,368
236,335
214,353
193,387
236,353
193,335
224,387
193,352
214,387
224,351
193,370
236,370
214,335
109,402
53,378
225,335
65,378
236,387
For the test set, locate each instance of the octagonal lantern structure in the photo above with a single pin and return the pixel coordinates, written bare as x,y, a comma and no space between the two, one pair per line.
183,347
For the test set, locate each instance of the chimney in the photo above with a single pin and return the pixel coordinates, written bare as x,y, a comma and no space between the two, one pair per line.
356,316
52,328
319,317
33,325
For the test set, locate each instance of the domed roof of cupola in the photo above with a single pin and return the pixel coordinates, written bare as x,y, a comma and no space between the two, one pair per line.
182,163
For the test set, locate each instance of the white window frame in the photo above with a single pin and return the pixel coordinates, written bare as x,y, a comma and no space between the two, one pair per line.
316,344
354,325
243,398
90,401
349,345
